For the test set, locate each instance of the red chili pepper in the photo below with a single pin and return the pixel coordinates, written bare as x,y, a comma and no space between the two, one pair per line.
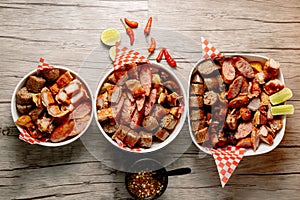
160,55
152,47
129,32
169,59
148,26
131,24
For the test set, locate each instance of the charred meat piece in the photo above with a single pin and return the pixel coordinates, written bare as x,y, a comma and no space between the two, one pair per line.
255,89
169,122
104,114
228,71
196,78
150,123
162,98
107,87
146,139
55,111
44,123
127,111
137,119
64,79
196,101
245,68
121,77
25,121
232,121
275,125
62,131
198,125
172,98
80,125
264,99
110,128
235,87
150,102
24,109
267,139
121,132
146,78
207,67
35,84
273,86
244,143
54,89
197,89
260,77
202,135
112,78
238,102
135,87
36,112
132,71
81,111
159,112
102,101
271,69
245,87
140,102
162,134
116,95
210,98
156,80
245,113
51,75
79,97
175,111
243,130
197,114
132,138
24,97
62,98
46,97
116,108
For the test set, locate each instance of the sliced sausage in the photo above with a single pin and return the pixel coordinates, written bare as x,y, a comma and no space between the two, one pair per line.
235,87
245,68
228,71
150,102
243,130
207,67
210,98
238,102
146,78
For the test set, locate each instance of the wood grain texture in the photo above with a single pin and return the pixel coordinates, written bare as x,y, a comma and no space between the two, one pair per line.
65,32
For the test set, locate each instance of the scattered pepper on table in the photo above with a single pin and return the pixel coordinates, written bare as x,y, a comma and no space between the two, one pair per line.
152,47
148,26
169,58
129,32
160,55
131,24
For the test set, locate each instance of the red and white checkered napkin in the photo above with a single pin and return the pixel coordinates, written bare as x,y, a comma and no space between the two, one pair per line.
209,51
227,160
127,56
42,65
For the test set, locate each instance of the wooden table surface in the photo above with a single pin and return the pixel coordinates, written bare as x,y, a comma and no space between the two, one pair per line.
65,32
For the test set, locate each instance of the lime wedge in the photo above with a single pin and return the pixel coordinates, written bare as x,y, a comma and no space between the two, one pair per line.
281,96
282,110
112,53
110,36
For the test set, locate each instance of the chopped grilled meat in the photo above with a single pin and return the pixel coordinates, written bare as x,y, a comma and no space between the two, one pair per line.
24,109
55,111
127,111
239,101
112,78
245,113
146,78
207,67
232,121
175,111
35,84
197,114
46,97
254,139
137,119
109,128
64,79
210,98
51,75
79,97
132,138
245,68
276,124
254,104
244,143
62,98
25,121
121,133
196,78
243,130
271,69
62,131
72,88
273,86
172,98
264,99
150,123
198,125
196,101
36,112
197,89
140,102
116,95
169,122
202,135
146,139
235,87
267,139
156,80
255,89
81,111
132,71
162,134
104,114
150,102
24,97
44,123
121,77
116,107
260,77
135,87
102,101
162,98
228,71
54,89
245,87
36,98
159,112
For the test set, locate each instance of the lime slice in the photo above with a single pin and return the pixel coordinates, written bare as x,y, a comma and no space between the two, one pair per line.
281,96
282,110
110,36
112,53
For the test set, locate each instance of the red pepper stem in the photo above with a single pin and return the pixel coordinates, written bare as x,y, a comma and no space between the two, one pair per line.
125,25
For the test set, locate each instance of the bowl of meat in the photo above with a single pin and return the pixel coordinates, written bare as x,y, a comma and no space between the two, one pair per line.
229,103
53,106
140,108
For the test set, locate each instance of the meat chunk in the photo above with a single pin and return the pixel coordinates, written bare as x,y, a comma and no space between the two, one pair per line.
271,69
24,97
162,134
207,67
232,121
245,113
44,123
238,102
116,94
243,130
62,98
235,87
254,104
210,98
150,123
172,98
117,107
156,80
273,86
245,68
121,76
135,87
132,138
159,112
46,97
36,113
175,111
146,139
255,89
196,101
197,89
51,75
121,133
55,111
169,122
198,125
228,71
276,125
197,114
110,128
24,109
102,101
64,79
146,78
54,89
245,87
150,102
62,131
254,139
104,114
81,111
202,135
244,143
25,121
127,111
80,125
137,119
35,84
140,102
196,78
79,97
72,88
162,98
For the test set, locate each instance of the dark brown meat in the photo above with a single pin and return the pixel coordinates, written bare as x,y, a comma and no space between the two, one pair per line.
273,86
162,134
24,97
202,135
271,69
175,111
197,89
245,113
132,138
150,102
110,128
24,109
255,89
64,79
127,111
81,111
150,123
196,101
210,98
245,68
146,139
235,87
137,119
169,122
196,78
62,131
121,133
228,71
35,84
146,78
243,130
36,112
238,102
51,75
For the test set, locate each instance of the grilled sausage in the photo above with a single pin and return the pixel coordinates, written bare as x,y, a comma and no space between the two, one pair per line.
228,71
150,102
146,78
245,68
51,75
243,130
239,101
235,87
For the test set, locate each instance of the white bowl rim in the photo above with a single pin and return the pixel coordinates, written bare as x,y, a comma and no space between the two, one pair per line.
161,145
248,152
15,114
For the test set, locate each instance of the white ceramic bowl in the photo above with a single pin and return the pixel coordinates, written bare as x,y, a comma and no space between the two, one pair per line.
15,114
155,146
263,148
